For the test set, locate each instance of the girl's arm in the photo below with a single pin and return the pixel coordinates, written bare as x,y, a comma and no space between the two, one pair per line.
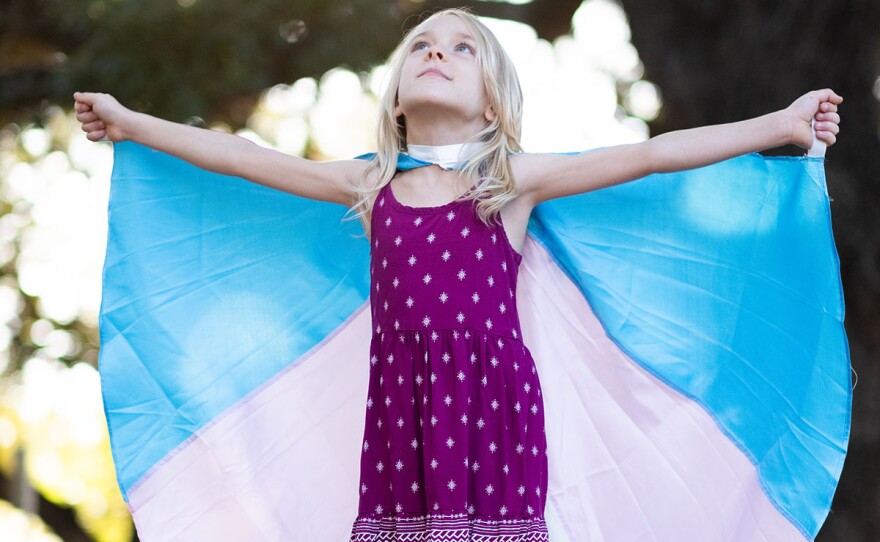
102,117
541,177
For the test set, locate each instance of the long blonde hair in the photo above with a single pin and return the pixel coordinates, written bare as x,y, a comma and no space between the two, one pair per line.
488,167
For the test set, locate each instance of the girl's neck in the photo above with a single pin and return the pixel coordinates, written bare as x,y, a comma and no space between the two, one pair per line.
440,127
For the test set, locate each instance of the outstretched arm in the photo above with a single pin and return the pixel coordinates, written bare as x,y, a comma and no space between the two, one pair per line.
544,176
103,117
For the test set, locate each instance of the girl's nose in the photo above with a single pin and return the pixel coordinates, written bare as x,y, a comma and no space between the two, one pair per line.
435,51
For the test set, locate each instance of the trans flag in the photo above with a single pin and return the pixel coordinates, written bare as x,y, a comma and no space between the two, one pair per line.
687,329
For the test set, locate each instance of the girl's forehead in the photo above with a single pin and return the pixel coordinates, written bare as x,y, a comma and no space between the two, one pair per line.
444,25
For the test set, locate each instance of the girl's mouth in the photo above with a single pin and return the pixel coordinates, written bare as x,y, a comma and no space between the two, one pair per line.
435,72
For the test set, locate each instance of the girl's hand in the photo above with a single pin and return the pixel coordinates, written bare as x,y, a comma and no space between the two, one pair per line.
820,105
102,117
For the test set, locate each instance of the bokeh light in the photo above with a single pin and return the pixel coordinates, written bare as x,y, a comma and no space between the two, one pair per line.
19,526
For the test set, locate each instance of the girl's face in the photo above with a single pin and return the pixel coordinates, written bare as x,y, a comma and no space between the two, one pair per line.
441,76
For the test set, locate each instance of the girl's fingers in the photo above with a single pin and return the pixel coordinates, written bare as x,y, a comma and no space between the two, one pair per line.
827,137
86,117
830,117
93,126
828,95
87,97
827,127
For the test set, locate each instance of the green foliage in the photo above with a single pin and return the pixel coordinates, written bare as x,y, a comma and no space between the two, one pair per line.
209,58
176,61
205,57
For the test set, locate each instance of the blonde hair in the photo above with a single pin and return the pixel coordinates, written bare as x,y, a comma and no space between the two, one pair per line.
489,165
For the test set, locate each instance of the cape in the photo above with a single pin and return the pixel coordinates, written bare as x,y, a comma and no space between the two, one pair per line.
687,329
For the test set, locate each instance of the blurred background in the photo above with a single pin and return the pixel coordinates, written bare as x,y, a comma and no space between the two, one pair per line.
303,76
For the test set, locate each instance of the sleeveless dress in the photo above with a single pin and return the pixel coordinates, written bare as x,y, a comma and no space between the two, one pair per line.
454,444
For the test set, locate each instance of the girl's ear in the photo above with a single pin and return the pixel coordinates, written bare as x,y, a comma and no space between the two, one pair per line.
489,114
397,111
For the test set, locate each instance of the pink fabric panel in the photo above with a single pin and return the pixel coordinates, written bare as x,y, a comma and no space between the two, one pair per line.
630,459
314,414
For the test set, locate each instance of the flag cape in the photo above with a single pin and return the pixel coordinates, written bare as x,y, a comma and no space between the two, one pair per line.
687,329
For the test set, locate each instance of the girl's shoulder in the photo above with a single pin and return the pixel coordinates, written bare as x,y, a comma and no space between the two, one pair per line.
530,169
356,172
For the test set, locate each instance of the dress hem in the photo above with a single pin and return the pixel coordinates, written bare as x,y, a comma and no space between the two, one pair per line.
447,528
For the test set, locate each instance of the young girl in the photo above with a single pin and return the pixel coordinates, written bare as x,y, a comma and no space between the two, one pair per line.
454,443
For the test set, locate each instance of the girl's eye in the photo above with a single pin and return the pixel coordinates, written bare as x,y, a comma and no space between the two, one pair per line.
465,47
419,45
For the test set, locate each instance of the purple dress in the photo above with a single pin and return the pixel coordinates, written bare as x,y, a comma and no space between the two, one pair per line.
454,445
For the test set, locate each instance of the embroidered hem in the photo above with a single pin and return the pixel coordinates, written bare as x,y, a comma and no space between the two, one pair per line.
447,528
